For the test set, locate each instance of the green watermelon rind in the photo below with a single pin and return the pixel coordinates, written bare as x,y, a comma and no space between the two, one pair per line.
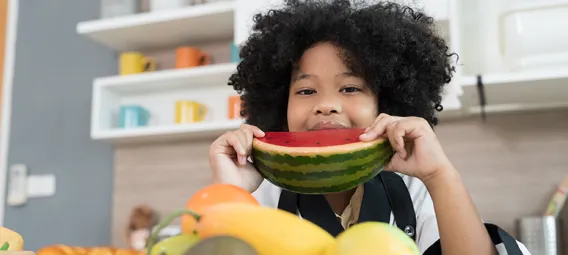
298,163
308,174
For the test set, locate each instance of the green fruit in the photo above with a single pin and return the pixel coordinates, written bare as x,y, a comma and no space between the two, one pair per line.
175,245
222,245
318,162
371,238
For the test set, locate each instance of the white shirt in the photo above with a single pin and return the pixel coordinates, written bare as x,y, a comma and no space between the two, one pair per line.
426,225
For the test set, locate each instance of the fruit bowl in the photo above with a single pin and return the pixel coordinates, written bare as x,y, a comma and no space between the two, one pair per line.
318,162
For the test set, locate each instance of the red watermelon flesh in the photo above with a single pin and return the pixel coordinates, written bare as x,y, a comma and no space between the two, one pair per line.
318,138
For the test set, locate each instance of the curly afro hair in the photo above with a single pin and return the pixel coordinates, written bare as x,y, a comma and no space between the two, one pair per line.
393,47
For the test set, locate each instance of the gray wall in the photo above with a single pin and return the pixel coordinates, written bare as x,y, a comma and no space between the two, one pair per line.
51,105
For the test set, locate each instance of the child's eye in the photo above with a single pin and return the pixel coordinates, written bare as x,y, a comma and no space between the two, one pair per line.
306,92
350,89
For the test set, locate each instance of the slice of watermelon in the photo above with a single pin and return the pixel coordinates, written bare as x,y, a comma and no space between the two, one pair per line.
317,162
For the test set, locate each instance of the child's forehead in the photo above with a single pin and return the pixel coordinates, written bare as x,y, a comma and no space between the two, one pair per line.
322,58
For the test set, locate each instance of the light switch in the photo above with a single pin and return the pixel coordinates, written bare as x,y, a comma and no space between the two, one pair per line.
41,185
17,194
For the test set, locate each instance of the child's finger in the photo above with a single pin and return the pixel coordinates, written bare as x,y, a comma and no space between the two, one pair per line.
257,132
236,143
247,135
396,134
378,129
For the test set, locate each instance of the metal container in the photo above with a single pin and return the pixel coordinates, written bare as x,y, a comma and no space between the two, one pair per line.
541,235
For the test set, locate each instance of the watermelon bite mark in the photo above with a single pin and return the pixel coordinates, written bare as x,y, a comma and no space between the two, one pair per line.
319,138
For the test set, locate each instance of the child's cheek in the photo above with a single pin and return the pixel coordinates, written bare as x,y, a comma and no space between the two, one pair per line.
363,116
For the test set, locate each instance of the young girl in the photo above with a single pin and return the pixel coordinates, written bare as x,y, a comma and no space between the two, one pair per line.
316,65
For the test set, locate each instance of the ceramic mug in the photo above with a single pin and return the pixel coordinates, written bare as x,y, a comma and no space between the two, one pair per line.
158,5
234,111
191,57
188,111
235,53
132,116
135,62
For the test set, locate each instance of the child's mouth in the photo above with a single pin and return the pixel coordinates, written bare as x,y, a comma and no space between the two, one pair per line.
322,125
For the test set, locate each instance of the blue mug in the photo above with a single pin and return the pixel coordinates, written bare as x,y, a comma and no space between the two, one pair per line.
235,53
133,116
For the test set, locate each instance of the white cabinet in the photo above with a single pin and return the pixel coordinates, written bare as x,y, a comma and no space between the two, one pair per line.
244,12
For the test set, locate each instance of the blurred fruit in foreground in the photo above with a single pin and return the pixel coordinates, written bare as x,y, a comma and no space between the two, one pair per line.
269,231
10,240
221,245
175,245
371,238
60,249
211,195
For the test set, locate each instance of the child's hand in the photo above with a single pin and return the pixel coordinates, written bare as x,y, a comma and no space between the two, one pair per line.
228,158
418,152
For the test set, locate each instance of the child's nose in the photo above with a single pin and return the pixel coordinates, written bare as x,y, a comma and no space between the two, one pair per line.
327,108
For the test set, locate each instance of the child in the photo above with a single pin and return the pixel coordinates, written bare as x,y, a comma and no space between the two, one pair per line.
315,65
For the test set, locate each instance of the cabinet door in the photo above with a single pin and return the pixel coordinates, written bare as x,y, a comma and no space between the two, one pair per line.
244,12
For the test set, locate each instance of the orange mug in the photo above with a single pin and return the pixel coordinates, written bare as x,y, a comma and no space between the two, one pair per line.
191,57
234,107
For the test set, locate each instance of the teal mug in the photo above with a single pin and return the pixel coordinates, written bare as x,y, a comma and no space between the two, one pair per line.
235,53
133,116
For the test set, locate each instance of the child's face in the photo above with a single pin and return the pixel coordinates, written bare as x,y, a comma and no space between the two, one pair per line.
323,94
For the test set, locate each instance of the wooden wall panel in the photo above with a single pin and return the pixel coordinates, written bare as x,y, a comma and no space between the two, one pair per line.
510,164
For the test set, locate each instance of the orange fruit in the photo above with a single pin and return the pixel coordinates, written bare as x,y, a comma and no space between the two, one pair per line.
121,251
102,250
212,195
80,250
51,250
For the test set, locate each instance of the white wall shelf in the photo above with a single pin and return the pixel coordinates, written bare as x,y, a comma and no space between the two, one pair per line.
517,91
168,79
158,93
165,28
167,133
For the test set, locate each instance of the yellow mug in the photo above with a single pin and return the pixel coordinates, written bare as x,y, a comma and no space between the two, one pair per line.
190,111
135,62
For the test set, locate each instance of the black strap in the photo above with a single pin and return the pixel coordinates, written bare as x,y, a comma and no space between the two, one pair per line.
373,206
386,187
316,209
401,202
288,202
497,235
